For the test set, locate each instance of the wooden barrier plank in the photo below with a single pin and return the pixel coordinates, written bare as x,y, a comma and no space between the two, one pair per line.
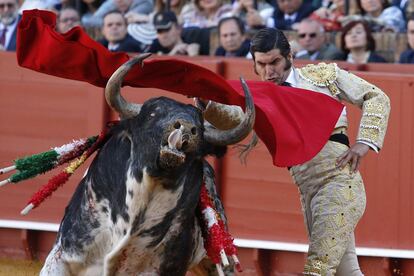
37,112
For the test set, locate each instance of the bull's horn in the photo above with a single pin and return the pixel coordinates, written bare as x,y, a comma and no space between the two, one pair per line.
113,87
235,135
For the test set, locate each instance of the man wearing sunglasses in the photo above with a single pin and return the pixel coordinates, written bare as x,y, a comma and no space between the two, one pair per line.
312,39
9,19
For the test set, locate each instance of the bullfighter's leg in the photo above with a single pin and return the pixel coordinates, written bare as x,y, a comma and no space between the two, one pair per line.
333,201
349,263
336,209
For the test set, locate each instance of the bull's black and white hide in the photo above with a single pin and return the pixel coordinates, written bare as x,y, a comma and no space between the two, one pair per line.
134,213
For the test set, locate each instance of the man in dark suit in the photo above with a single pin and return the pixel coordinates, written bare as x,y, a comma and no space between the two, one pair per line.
408,55
233,42
289,12
116,37
312,39
9,18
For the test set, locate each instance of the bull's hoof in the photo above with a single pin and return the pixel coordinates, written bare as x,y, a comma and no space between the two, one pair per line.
171,158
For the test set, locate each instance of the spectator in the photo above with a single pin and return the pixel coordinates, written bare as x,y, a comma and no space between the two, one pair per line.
408,55
381,16
9,18
312,39
88,7
204,13
232,39
358,44
253,13
169,39
67,19
140,26
143,7
116,37
175,6
58,5
289,12
35,4
403,5
331,16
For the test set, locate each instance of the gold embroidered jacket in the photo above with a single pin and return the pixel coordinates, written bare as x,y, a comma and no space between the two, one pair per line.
334,82
345,86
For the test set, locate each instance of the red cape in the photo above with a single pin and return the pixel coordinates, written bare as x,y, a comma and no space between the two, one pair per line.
293,123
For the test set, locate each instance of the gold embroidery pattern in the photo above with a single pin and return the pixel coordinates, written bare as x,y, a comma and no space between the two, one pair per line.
334,201
318,267
374,120
322,75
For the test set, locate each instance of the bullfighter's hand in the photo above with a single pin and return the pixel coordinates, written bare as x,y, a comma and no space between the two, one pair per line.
353,156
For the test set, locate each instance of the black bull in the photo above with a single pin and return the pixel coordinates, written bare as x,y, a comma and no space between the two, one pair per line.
134,213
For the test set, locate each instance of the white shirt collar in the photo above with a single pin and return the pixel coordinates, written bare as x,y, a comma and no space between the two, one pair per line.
292,77
291,16
113,46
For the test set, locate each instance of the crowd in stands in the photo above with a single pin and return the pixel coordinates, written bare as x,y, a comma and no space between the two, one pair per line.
188,27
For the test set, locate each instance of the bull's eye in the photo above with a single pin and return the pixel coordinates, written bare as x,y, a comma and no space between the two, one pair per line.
152,114
177,125
193,130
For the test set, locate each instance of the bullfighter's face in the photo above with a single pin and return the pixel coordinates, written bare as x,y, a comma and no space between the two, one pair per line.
272,66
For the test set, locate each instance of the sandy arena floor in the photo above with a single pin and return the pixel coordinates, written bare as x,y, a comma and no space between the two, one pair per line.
19,268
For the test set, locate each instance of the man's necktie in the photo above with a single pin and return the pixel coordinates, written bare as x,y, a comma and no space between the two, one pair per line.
3,37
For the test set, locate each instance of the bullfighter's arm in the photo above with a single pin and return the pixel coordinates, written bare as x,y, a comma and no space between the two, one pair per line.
375,106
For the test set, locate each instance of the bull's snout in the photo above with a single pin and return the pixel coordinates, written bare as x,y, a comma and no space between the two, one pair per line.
183,136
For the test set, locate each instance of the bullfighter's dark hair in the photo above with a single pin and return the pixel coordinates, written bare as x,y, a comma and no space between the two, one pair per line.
267,39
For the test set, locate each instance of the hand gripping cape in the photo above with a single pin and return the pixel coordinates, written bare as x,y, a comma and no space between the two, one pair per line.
293,123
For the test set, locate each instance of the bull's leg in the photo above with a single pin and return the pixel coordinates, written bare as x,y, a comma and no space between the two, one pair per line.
111,261
59,263
207,268
54,264
204,268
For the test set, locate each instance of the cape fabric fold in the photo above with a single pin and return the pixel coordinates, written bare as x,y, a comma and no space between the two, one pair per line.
293,123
